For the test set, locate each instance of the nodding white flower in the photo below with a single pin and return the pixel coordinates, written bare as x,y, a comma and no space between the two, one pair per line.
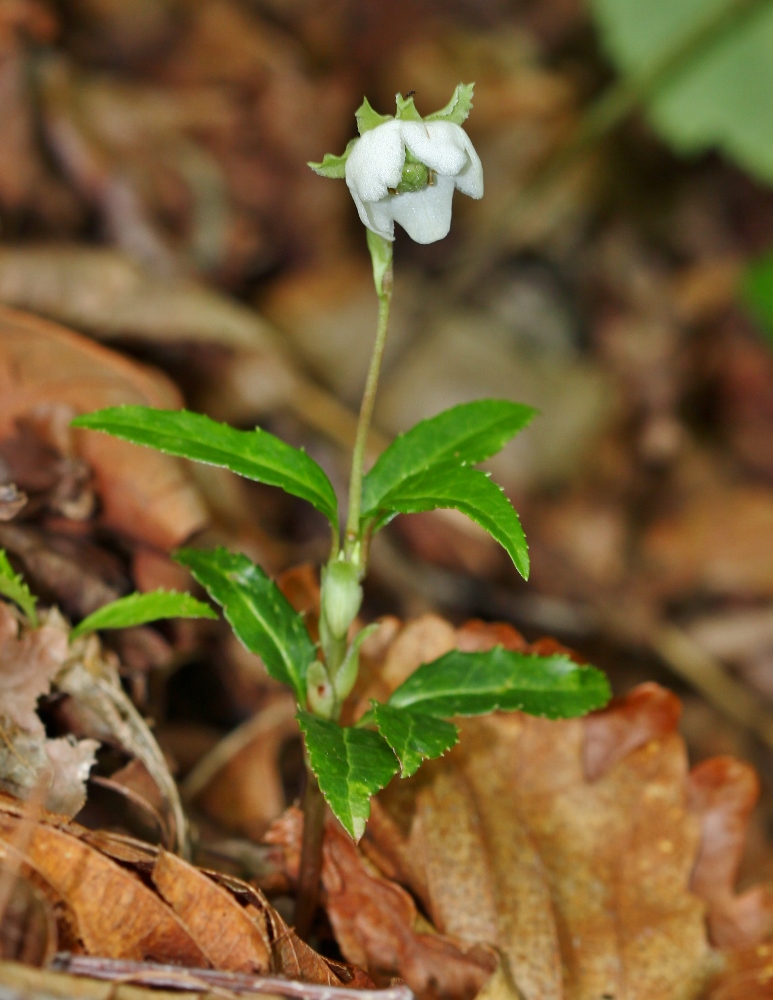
406,172
405,168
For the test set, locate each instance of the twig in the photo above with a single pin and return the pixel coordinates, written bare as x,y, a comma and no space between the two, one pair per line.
172,977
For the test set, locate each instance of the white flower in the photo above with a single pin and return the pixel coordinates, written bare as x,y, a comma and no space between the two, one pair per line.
374,169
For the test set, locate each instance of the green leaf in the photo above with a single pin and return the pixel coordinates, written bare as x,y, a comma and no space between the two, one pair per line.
413,736
367,118
15,589
469,491
477,683
255,454
465,435
757,292
138,609
458,108
257,610
717,90
406,109
351,765
331,165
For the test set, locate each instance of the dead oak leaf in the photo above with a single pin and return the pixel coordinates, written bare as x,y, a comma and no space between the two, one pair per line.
583,850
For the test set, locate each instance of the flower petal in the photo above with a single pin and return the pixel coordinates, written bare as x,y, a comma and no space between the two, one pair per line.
376,162
439,145
425,215
469,180
375,215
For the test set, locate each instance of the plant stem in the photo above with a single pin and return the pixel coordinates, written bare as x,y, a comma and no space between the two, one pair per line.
310,870
381,252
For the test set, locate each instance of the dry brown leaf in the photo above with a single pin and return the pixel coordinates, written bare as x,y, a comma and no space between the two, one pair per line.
200,918
376,922
28,928
28,664
722,792
117,915
144,494
221,928
30,659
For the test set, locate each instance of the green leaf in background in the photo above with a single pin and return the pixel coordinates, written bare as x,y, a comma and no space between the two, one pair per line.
471,492
458,108
257,610
463,435
413,736
351,765
15,589
138,609
255,454
757,293
718,90
460,684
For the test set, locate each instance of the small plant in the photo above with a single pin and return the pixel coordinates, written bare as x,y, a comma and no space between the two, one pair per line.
405,169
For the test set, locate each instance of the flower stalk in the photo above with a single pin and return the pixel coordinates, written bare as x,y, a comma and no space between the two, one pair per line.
381,255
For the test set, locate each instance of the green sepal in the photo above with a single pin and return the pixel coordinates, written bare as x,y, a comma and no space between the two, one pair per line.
414,736
15,589
462,684
139,609
333,166
262,618
406,109
367,118
457,109
351,765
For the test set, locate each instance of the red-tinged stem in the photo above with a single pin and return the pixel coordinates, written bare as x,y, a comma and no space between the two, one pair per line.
310,871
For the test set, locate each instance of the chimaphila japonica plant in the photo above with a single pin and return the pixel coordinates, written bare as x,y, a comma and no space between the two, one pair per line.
401,169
